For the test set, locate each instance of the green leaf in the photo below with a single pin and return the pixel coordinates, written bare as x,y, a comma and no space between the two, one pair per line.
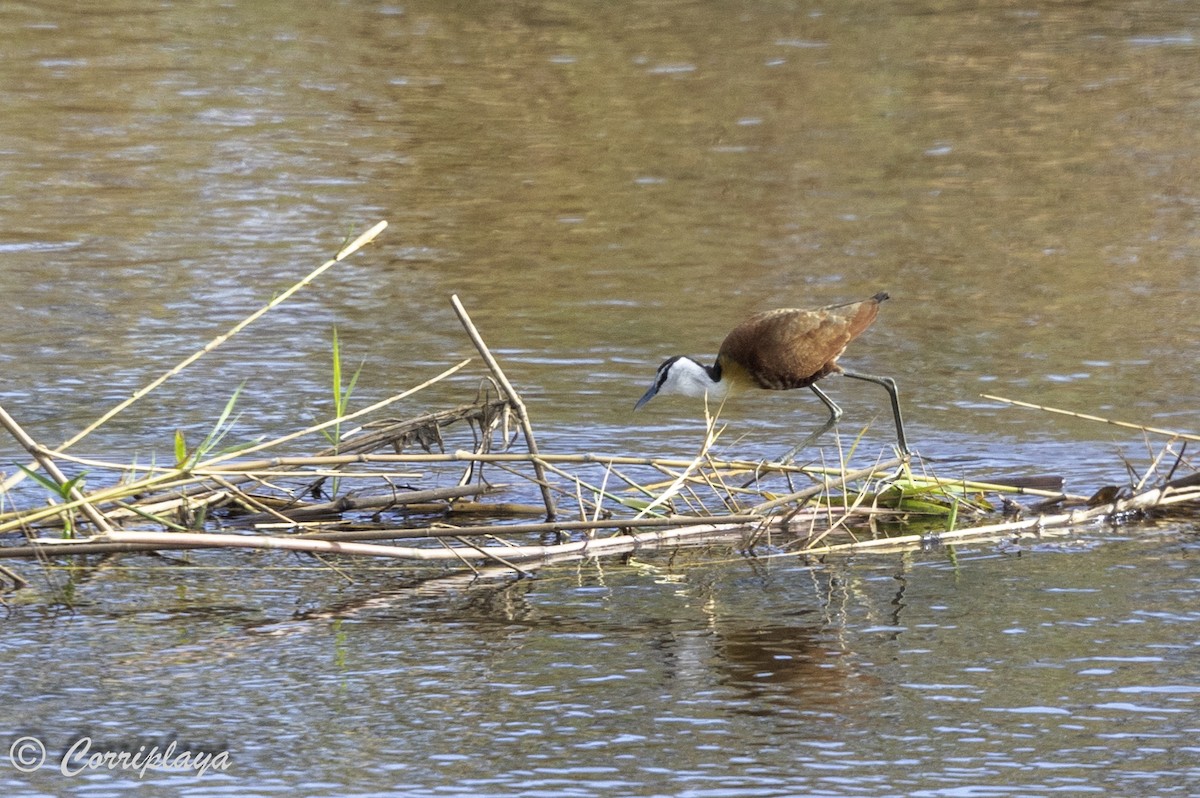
350,388
63,491
73,483
42,480
220,429
337,373
180,448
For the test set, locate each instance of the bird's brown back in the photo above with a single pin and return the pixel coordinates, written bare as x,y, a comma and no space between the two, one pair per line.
793,348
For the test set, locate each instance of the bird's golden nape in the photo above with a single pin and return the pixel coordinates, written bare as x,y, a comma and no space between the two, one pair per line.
782,350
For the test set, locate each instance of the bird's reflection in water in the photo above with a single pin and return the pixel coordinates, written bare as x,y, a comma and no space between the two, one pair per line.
804,667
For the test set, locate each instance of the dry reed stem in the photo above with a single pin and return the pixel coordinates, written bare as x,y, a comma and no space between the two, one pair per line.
589,546
1088,417
47,462
174,475
822,487
102,544
342,254
1151,469
711,433
209,463
512,395
280,465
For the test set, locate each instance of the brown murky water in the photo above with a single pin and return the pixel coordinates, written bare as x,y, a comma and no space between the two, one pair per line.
605,185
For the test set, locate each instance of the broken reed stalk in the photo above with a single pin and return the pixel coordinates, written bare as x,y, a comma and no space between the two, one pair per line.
165,540
282,466
342,254
47,462
462,455
170,476
1088,417
548,527
511,554
711,433
212,461
275,466
715,529
821,487
513,397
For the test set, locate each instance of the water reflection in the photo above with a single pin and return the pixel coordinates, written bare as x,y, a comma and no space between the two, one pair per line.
960,672
784,668
769,667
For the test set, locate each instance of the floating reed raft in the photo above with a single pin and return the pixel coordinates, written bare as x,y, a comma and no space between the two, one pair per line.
458,486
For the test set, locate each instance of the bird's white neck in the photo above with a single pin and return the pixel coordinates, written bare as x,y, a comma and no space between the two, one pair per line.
689,378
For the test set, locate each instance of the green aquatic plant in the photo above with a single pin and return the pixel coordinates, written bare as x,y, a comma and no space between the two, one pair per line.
341,400
64,491
186,459
341,393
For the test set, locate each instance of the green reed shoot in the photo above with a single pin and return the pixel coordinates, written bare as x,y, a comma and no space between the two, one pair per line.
62,491
341,399
186,459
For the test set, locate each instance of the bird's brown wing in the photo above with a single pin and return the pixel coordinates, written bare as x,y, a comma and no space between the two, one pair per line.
792,348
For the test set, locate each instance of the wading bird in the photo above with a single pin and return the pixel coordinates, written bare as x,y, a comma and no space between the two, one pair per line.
780,350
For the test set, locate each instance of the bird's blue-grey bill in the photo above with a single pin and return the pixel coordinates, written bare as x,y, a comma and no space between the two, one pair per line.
646,397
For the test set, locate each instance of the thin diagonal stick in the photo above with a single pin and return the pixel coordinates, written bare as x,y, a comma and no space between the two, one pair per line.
344,253
220,458
513,397
1086,417
47,462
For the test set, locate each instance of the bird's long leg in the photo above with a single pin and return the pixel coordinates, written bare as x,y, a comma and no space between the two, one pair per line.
835,413
890,385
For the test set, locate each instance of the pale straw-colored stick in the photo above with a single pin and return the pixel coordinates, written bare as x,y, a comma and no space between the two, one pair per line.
258,447
821,488
513,397
711,433
1087,417
47,462
158,480
342,254
512,554
172,540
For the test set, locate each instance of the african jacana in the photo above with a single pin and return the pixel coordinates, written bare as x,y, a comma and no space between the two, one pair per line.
780,350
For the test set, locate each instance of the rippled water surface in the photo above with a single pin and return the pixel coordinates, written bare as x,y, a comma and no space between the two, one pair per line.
605,185
1047,669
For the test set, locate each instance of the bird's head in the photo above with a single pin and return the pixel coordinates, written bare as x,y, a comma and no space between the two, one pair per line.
682,375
